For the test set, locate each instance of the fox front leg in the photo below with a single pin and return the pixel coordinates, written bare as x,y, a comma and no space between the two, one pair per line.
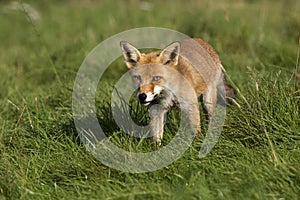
157,115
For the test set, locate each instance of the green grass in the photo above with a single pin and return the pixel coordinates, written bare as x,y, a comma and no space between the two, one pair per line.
257,155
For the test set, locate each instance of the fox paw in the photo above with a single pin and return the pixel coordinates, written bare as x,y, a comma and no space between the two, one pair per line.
157,141
199,129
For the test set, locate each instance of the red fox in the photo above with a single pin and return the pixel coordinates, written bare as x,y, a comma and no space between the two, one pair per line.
165,77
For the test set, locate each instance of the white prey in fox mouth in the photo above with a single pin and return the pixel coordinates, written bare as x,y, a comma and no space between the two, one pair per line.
147,98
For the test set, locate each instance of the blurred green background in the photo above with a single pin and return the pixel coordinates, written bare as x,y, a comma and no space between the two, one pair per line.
42,46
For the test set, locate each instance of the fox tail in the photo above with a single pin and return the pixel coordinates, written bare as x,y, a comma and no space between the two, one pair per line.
230,93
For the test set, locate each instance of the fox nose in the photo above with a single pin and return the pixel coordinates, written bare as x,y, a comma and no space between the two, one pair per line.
142,97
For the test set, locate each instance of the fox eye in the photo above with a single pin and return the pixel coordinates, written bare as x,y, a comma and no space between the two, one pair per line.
156,78
136,77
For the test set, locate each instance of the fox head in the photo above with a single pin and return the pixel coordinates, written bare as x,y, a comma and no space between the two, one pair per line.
149,71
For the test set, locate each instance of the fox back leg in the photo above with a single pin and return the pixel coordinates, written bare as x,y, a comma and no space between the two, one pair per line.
210,100
193,115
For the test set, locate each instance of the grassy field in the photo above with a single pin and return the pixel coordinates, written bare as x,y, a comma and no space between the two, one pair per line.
41,156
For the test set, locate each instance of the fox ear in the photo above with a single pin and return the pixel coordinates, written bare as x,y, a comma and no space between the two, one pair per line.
170,54
131,54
